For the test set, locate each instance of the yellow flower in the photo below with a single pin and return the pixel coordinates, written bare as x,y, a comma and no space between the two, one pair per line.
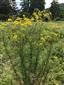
26,23
3,26
14,37
18,19
9,20
32,19
36,16
42,39
54,34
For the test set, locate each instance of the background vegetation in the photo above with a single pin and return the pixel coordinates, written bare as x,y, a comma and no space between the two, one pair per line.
9,8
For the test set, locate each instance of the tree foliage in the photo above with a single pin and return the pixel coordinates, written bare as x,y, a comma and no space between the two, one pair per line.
7,8
37,4
54,9
30,5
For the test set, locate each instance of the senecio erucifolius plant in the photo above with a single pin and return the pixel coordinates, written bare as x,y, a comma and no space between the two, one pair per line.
32,53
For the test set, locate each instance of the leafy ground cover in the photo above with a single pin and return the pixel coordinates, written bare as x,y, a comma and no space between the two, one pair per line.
31,53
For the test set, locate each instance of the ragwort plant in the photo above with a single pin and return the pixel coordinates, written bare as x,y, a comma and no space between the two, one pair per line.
30,50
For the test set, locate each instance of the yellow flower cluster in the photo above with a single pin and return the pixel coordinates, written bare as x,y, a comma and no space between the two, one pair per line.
41,15
17,22
22,22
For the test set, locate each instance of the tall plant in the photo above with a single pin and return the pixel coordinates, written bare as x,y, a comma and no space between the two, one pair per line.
30,51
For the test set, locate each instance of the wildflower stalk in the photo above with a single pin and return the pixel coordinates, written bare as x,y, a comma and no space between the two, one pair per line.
44,71
13,67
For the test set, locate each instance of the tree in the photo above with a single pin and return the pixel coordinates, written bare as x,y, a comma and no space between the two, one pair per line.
54,9
61,10
5,7
37,4
14,7
25,5
30,5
